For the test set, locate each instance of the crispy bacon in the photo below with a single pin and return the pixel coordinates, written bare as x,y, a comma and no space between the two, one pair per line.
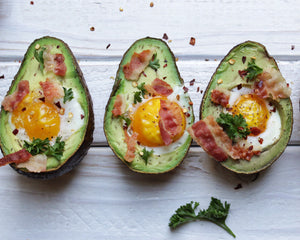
131,141
272,84
16,157
60,67
220,96
52,90
37,163
54,62
211,137
137,64
119,106
170,122
159,87
10,102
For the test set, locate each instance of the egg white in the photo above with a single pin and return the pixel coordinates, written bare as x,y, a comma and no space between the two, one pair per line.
273,130
70,121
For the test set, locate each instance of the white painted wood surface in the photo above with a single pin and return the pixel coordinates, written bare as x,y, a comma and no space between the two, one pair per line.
101,198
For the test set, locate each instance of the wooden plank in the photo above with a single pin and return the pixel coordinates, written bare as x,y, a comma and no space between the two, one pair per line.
100,78
103,199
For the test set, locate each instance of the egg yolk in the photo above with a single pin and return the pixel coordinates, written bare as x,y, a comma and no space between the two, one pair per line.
39,119
253,109
145,122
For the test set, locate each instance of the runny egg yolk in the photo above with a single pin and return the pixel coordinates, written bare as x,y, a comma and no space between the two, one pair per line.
253,109
145,122
39,119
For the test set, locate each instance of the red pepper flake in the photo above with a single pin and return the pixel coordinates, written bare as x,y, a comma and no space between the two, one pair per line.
15,132
250,148
192,41
144,74
81,116
192,82
23,109
240,128
273,110
255,131
201,91
292,47
270,104
185,89
229,109
57,46
238,186
288,85
243,73
206,59
244,59
198,89
165,65
260,140
92,29
108,46
191,103
57,104
165,36
31,2
2,76
164,78
239,86
42,99
187,114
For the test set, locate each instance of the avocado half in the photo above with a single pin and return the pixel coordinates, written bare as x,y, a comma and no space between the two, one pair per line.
77,145
236,60
113,127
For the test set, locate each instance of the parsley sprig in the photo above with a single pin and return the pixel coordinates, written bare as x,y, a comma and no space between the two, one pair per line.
126,119
253,70
146,154
235,126
216,213
68,94
138,95
38,54
154,63
38,146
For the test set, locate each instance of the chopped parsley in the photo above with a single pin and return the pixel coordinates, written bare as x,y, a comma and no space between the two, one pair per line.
126,119
68,94
216,213
154,63
253,70
38,146
138,95
235,126
145,154
38,54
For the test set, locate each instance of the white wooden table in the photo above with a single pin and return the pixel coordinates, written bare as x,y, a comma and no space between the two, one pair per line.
102,198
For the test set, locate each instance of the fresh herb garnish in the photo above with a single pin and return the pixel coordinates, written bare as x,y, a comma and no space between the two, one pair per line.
216,213
146,154
253,70
38,54
138,95
235,126
154,63
68,94
126,119
38,146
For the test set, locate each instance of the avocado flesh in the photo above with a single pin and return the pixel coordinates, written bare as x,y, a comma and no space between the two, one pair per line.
113,127
230,76
79,142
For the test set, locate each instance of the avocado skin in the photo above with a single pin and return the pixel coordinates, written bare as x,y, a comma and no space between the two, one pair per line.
270,155
116,86
78,155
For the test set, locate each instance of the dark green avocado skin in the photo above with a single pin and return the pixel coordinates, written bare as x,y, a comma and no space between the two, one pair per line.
79,154
268,156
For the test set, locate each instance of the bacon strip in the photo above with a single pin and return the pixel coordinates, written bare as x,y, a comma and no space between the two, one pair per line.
159,87
137,64
131,141
119,106
272,84
37,163
60,67
17,157
11,102
211,137
170,122
220,96
52,90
